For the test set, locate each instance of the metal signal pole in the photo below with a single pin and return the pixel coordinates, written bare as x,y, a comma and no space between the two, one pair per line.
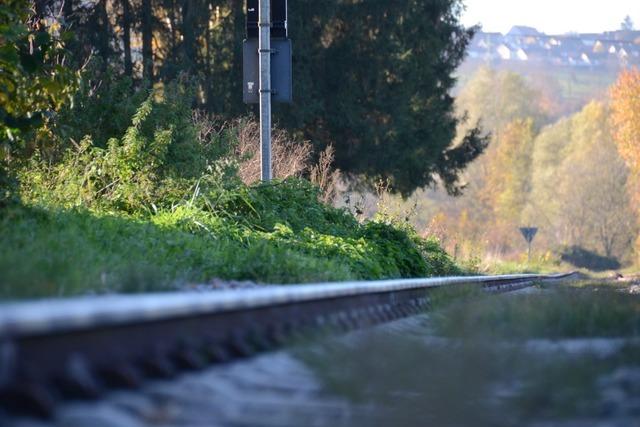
264,49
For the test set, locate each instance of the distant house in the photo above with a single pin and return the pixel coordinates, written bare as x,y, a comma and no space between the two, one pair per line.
522,43
504,52
622,35
522,55
598,47
588,42
523,31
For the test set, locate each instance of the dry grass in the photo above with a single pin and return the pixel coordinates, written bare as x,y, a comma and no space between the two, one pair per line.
290,158
325,176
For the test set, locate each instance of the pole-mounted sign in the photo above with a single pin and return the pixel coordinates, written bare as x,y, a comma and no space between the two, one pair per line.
529,233
266,66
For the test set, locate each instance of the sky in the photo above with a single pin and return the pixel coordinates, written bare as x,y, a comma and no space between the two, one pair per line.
551,16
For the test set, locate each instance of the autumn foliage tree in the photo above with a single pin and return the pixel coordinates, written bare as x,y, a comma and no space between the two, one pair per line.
567,177
581,200
625,119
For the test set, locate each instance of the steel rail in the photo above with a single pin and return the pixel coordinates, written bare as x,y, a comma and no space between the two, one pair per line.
78,347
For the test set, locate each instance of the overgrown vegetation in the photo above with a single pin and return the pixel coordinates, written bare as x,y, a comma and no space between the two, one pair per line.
163,203
114,180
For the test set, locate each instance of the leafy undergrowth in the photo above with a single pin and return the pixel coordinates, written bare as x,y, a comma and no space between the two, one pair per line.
279,233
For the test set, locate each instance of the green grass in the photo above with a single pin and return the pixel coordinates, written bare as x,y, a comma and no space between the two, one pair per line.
469,363
470,383
274,234
560,312
535,266
74,252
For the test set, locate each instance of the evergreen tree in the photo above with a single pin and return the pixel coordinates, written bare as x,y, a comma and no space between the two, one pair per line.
375,79
627,24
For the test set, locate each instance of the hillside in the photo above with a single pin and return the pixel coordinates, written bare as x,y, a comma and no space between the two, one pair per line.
571,68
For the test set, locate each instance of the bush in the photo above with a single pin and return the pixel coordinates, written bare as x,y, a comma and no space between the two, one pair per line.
9,189
584,258
102,107
155,163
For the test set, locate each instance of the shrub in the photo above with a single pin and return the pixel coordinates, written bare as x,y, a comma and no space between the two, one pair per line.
155,163
584,258
102,107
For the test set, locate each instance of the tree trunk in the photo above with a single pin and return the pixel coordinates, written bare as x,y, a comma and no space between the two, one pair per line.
40,8
147,38
126,36
67,11
172,20
188,34
236,105
207,61
102,35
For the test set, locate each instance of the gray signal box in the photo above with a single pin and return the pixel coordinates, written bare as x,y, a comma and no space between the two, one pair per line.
281,78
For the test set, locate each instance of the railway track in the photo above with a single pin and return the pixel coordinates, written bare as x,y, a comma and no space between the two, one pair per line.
54,350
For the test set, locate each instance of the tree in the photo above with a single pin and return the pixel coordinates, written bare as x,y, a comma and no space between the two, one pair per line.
579,195
544,207
33,82
377,78
627,24
625,119
126,37
595,183
33,77
509,177
147,39
189,36
506,105
374,78
497,98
